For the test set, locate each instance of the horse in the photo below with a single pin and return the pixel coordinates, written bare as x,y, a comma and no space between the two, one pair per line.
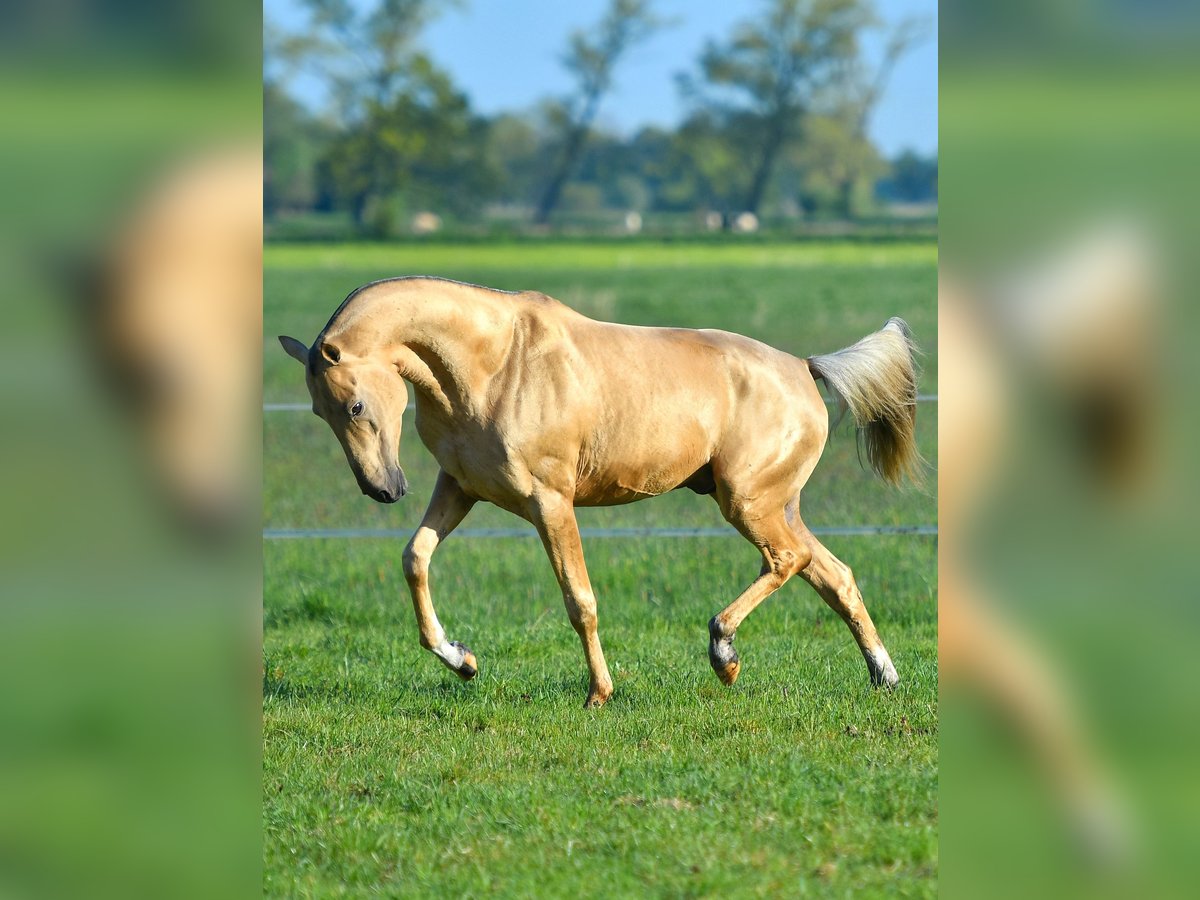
529,405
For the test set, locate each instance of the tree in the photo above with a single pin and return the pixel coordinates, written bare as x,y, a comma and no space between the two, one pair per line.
833,168
424,147
866,88
516,149
365,56
293,140
399,114
708,151
913,179
776,69
591,62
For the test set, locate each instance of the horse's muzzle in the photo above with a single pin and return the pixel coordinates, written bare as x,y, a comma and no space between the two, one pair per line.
393,492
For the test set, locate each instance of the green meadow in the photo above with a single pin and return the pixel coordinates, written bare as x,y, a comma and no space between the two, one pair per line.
385,775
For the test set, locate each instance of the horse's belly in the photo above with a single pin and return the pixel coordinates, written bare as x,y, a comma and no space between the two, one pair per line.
643,456
614,485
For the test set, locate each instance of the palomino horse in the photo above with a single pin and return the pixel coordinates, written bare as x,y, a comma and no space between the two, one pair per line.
531,406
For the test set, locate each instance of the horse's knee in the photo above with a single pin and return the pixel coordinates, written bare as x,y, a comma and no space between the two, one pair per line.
415,565
846,580
848,592
581,610
803,556
416,560
785,562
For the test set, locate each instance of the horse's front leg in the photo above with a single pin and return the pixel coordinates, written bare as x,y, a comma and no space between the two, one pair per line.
447,508
554,518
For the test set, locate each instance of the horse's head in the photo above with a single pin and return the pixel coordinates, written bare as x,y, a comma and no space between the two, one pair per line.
363,401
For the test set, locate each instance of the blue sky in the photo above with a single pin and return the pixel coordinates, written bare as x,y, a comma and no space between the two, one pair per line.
505,55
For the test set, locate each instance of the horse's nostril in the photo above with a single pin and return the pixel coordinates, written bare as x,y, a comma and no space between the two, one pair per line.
385,496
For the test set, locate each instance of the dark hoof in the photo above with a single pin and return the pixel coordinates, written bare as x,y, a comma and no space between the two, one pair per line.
721,655
597,699
470,666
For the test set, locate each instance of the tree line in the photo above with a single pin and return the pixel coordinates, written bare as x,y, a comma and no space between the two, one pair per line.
776,123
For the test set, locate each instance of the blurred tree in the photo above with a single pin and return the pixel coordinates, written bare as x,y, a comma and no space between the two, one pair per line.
591,61
865,88
913,179
516,148
772,72
423,147
293,141
833,168
404,127
649,160
367,56
709,151
777,123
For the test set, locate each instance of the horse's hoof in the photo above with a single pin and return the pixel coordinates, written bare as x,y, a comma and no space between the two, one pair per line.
885,678
597,699
728,673
721,655
470,667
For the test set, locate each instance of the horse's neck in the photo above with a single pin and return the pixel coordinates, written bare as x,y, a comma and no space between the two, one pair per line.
438,374
449,351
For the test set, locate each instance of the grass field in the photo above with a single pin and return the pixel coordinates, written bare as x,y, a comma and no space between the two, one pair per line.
385,775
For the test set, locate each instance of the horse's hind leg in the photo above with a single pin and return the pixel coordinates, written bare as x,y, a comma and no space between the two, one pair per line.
783,556
447,508
834,581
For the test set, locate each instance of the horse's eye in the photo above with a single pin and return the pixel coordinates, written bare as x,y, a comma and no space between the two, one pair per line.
356,409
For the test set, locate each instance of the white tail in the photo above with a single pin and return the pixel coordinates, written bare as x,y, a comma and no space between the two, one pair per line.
876,379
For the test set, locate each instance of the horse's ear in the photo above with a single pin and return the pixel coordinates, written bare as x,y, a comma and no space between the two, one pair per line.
294,349
331,353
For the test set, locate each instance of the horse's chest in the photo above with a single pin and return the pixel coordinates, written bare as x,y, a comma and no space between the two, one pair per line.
481,464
